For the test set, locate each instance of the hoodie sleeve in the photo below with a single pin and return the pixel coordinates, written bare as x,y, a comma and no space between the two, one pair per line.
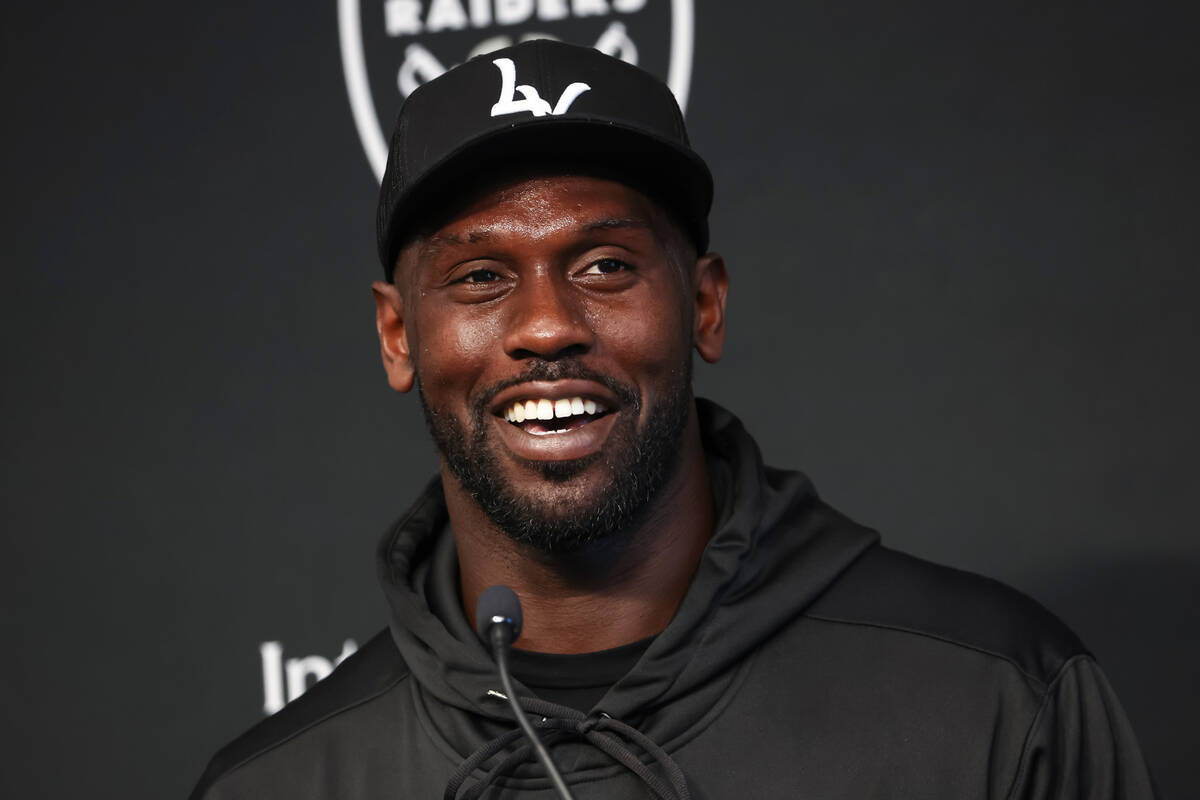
1081,744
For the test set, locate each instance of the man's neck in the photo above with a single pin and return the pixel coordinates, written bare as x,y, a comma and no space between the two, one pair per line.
601,598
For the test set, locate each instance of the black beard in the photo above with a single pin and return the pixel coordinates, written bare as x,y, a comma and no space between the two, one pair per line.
639,464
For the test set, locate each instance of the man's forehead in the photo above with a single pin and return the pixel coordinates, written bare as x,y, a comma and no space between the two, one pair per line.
474,234
577,201
557,191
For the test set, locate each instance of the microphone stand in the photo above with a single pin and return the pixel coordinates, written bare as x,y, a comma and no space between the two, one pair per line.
500,635
498,621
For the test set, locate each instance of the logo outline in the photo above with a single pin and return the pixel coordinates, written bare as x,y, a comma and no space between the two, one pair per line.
362,104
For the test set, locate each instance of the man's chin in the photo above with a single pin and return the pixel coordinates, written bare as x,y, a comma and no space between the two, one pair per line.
564,494
561,472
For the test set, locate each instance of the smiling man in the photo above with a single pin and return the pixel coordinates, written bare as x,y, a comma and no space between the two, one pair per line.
549,319
696,624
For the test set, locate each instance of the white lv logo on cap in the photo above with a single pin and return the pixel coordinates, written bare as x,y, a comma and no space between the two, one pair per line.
533,103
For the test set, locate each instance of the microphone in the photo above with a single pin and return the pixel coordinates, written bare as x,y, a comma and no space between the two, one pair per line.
498,622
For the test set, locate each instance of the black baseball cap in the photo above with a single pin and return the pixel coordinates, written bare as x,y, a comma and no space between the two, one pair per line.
540,100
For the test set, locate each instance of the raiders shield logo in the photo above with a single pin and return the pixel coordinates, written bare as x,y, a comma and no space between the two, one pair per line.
390,47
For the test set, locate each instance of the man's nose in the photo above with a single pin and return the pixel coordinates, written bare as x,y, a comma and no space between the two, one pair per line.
547,320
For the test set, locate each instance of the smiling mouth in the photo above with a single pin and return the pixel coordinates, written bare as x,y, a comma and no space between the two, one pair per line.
541,416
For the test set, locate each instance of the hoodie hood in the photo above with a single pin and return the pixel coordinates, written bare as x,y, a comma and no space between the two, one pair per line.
771,524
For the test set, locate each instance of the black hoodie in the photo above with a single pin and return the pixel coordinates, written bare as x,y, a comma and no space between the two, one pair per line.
805,660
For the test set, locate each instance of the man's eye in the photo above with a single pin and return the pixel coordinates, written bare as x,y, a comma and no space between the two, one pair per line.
480,276
605,266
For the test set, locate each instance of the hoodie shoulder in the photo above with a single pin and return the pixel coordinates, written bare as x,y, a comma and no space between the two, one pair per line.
374,669
888,589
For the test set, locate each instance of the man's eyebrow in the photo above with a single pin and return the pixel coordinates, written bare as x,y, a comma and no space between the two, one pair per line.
440,241
613,223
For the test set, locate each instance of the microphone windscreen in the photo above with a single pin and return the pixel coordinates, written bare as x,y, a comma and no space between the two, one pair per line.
498,601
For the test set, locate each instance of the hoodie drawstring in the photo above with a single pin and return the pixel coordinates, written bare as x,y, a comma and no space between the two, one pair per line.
602,732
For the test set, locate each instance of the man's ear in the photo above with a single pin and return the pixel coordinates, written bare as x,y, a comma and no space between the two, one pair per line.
711,287
393,336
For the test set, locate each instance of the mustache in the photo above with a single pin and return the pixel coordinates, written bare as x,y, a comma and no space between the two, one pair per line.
556,371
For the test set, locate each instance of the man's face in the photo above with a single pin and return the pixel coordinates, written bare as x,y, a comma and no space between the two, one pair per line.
550,324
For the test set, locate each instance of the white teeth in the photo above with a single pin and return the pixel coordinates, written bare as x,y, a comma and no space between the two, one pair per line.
545,408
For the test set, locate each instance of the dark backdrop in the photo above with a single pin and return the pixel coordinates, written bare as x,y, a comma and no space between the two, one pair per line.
963,249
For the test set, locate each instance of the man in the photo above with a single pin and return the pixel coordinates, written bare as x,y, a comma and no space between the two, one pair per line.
695,624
